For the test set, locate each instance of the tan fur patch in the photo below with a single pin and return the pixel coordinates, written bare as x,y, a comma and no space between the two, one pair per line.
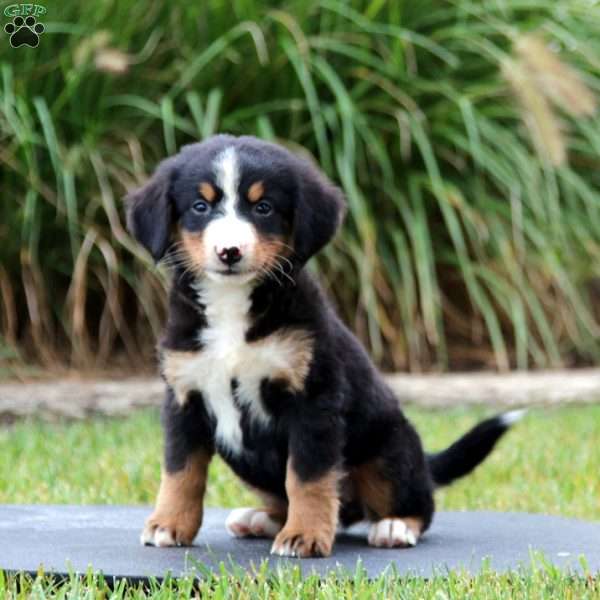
374,491
302,344
256,191
298,345
179,503
312,515
207,191
268,249
415,524
194,250
173,362
285,356
272,257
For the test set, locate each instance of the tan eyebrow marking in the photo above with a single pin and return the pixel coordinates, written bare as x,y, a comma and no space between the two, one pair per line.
256,191
208,191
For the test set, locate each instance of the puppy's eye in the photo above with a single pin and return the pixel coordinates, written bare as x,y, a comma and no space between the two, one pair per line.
200,207
263,208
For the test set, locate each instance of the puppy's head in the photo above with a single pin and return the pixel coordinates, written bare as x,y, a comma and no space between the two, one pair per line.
236,209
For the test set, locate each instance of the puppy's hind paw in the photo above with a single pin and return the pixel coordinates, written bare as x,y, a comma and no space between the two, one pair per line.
246,522
393,533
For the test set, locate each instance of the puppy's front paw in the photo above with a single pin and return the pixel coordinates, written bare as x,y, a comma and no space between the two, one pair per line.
245,522
392,533
302,544
175,530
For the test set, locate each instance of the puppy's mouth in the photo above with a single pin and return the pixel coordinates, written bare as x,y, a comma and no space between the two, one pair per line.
232,274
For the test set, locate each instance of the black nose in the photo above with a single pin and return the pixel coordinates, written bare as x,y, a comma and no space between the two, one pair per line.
230,256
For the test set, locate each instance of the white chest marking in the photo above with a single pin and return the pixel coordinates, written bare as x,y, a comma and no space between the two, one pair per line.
226,355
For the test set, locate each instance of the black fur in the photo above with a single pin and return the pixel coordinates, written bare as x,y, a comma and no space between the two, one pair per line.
150,214
467,452
346,415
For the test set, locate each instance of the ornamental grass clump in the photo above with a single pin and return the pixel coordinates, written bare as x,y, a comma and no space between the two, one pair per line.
464,133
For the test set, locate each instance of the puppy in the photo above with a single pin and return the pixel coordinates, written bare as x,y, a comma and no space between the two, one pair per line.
260,369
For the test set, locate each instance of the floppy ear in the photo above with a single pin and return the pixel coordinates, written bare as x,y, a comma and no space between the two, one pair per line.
150,211
320,211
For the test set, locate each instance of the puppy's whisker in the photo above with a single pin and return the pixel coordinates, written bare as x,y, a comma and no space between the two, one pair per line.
270,274
287,260
280,268
284,245
176,255
274,277
190,269
185,261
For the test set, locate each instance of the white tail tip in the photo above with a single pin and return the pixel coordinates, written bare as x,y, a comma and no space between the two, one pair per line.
513,416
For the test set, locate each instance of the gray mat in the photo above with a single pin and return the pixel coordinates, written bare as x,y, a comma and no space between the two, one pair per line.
72,538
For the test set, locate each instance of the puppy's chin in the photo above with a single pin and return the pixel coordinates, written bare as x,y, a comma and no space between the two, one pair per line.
231,277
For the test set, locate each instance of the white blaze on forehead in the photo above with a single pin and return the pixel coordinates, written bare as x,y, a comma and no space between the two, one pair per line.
228,230
228,177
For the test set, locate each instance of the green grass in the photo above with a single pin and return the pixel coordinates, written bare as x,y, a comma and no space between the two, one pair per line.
548,463
541,582
469,154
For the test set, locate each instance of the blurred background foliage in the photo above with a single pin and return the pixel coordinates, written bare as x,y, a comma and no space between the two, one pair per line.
464,133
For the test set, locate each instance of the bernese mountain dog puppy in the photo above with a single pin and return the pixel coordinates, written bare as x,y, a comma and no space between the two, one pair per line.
260,369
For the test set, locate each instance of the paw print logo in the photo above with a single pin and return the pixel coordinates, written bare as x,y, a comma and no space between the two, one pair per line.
24,32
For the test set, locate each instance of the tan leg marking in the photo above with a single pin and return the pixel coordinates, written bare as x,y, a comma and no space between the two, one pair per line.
376,495
373,489
312,516
178,513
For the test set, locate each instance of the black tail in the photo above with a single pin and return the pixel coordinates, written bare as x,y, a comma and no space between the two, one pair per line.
471,449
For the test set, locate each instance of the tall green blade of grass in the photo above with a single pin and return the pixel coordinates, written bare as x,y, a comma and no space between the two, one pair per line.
462,239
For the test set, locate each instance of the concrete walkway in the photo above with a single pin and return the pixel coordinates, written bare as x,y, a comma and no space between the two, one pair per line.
73,398
63,538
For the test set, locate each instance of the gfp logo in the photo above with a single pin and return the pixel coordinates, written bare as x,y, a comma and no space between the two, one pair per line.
25,29
24,10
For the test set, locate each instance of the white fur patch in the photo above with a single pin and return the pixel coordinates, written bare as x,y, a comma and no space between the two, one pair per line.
228,230
391,533
244,522
226,356
159,537
227,307
286,549
228,176
513,416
